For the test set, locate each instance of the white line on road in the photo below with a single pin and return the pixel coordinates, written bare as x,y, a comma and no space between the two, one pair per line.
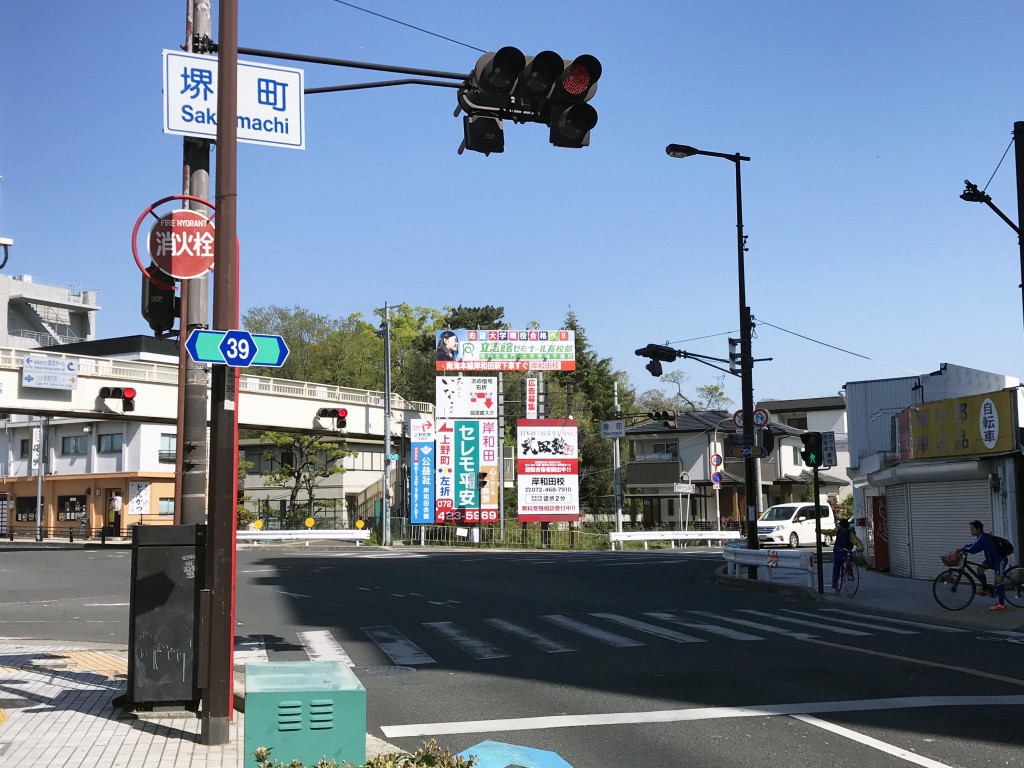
857,623
250,649
476,647
683,715
754,625
595,633
651,629
860,738
732,634
816,624
904,622
543,642
399,648
320,645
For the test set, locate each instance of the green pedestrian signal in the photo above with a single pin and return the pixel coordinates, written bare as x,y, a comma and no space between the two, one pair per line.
811,453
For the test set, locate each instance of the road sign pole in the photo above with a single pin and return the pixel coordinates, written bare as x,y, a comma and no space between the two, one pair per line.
817,531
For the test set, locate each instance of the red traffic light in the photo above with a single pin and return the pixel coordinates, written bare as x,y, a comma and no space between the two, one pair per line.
128,393
579,77
342,413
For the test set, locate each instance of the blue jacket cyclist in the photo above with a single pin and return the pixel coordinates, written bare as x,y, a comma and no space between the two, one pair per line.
845,541
997,562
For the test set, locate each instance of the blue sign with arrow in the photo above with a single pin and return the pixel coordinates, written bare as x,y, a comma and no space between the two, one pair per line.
236,348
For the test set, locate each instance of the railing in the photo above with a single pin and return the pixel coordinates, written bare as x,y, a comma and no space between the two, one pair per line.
777,565
670,536
307,536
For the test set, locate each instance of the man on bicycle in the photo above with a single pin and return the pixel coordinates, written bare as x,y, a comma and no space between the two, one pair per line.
997,562
845,541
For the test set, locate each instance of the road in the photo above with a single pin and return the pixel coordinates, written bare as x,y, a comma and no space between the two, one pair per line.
607,658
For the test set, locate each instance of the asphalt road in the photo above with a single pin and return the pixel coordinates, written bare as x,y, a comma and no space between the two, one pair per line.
605,658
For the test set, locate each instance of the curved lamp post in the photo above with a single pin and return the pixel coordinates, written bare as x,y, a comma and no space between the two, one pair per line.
746,358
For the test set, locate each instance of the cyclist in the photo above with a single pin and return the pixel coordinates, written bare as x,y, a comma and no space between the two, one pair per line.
997,562
845,541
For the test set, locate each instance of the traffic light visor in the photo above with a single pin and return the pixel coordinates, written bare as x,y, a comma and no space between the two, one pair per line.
106,392
497,72
327,413
572,127
540,74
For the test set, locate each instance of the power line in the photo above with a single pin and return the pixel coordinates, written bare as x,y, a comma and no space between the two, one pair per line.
832,346
410,26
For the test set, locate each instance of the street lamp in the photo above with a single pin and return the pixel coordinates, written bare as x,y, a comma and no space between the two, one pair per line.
972,194
746,357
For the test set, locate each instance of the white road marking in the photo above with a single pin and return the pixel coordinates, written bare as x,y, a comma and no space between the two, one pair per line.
105,605
755,625
595,633
858,623
732,634
816,624
543,642
650,629
320,645
250,649
904,622
399,648
476,647
860,738
695,714
291,594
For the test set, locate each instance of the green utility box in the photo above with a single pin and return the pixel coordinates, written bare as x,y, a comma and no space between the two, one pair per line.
304,710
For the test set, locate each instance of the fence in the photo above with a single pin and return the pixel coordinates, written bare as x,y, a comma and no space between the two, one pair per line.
778,565
646,537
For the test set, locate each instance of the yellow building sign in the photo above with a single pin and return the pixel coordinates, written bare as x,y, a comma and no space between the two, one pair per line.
962,426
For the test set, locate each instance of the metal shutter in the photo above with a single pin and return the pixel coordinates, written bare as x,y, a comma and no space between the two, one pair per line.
899,529
939,517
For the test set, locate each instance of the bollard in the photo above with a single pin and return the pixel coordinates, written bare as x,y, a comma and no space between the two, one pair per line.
71,535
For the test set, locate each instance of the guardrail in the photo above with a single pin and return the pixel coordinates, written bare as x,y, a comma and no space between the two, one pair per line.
671,536
788,566
338,535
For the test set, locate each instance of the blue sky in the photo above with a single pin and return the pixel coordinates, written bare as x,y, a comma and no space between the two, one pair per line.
862,120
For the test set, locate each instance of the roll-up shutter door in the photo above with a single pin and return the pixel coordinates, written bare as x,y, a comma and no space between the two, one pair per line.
939,517
899,529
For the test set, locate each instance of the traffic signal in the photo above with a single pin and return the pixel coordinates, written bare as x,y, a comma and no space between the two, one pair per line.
735,356
569,116
340,416
541,89
767,440
159,304
658,353
667,418
126,395
811,453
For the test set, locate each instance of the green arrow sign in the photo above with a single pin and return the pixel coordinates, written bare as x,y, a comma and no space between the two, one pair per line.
206,346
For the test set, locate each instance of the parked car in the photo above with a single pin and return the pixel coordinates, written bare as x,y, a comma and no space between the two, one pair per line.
793,524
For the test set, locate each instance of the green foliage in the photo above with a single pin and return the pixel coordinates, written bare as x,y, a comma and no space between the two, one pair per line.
846,507
311,459
430,755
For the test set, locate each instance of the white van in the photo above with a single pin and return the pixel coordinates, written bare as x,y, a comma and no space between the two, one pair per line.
793,524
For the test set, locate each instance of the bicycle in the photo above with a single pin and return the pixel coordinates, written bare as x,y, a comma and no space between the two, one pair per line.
849,577
954,588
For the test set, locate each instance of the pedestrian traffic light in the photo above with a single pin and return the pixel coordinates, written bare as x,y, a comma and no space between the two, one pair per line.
811,453
159,304
735,356
340,416
667,418
125,394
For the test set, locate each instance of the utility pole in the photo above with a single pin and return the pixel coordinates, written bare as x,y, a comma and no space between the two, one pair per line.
219,597
1018,153
617,467
385,537
501,456
191,447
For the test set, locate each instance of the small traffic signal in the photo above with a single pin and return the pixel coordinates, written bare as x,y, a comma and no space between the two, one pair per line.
340,416
667,418
159,304
658,353
735,356
811,453
570,117
126,395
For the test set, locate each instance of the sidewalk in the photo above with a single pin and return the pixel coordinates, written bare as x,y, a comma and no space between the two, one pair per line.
55,698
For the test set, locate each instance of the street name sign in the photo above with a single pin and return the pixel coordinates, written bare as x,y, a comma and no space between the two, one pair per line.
270,100
829,458
236,348
613,428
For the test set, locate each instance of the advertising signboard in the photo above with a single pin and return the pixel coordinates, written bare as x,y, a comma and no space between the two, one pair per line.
467,397
467,471
421,479
973,425
505,350
548,467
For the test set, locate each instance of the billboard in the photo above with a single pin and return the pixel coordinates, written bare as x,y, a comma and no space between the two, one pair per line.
548,466
505,350
467,471
974,425
421,479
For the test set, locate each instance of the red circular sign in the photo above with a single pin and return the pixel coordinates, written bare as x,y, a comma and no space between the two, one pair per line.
181,244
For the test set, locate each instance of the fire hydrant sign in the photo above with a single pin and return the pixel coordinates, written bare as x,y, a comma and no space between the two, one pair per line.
548,467
181,244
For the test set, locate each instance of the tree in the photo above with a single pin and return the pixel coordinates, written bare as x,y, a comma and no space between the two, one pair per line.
309,459
303,332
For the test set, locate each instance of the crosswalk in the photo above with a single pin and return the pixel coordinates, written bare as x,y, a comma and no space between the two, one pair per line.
491,639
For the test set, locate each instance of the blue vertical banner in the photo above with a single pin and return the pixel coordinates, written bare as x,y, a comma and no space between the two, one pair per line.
422,478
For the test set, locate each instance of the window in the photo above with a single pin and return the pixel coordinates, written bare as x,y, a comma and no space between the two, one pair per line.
75,445
165,507
797,422
111,443
670,450
168,448
25,448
